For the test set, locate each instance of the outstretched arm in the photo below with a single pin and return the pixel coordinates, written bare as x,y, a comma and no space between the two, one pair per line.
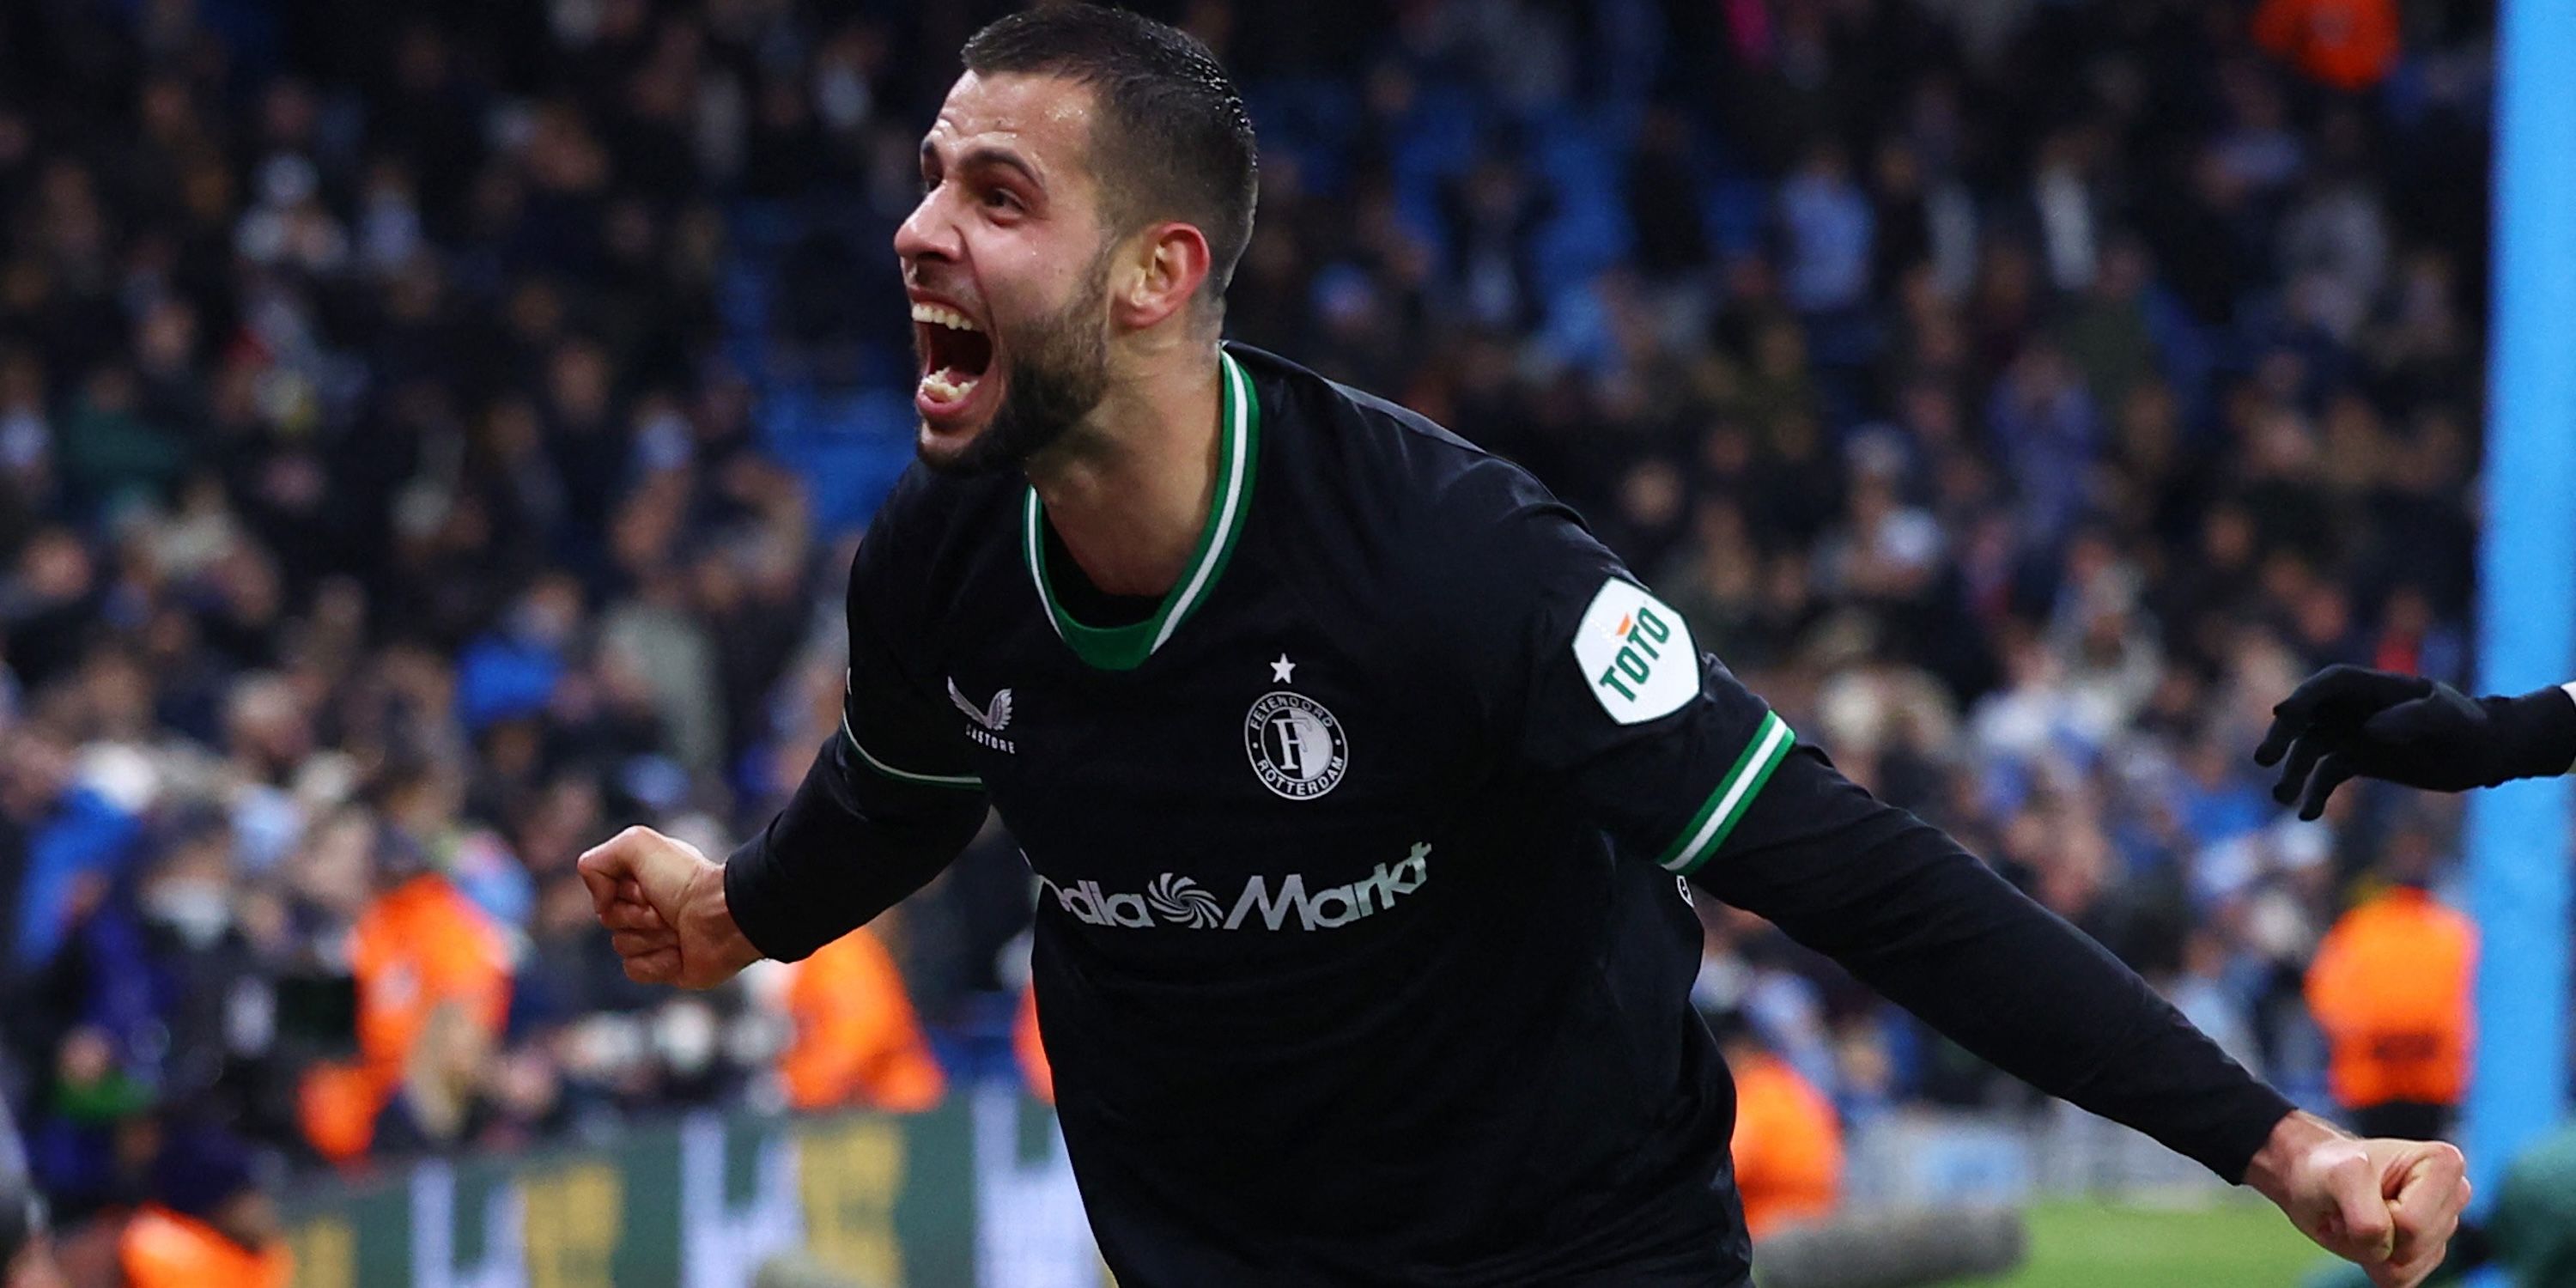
843,850
1923,922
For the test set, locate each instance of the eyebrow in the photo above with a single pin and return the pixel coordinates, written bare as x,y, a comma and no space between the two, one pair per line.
986,155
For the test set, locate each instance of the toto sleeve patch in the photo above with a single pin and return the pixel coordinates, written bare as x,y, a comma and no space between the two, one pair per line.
1636,654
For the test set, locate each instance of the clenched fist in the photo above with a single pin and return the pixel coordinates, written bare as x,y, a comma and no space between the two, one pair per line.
664,905
2389,1206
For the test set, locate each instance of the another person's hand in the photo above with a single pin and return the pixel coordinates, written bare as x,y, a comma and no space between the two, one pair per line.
2388,1206
664,905
2347,722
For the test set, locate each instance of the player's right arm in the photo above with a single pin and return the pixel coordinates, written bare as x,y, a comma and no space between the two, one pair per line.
890,799
2349,722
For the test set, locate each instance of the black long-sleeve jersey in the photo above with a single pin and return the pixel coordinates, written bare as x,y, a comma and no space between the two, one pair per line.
1365,859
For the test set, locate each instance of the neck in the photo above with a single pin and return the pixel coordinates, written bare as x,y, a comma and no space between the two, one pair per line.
1129,490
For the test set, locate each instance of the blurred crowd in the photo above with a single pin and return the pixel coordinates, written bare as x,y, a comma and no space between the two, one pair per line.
433,436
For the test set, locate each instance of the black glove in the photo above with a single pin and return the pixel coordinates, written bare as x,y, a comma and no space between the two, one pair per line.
2347,721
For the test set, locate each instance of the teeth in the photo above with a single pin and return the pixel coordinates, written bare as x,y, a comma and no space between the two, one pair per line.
939,316
944,385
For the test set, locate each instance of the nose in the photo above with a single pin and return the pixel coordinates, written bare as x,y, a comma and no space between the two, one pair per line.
926,233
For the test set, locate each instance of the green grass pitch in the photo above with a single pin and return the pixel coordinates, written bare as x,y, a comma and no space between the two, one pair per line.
2083,1245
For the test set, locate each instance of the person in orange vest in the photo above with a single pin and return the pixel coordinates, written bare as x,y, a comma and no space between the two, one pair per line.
2348,44
2392,987
207,1226
1788,1144
420,944
856,1040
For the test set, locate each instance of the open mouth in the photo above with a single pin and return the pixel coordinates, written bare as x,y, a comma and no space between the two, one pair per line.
955,354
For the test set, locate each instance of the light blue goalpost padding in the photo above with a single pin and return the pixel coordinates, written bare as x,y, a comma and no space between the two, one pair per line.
2519,862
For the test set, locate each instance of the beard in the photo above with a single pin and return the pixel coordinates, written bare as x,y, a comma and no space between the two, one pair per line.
1059,371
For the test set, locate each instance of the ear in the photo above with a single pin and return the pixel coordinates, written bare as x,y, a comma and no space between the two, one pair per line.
1167,263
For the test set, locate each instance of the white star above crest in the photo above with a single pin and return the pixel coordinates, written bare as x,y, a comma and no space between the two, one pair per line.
1283,671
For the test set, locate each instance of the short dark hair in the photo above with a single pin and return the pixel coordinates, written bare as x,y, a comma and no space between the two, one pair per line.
1172,140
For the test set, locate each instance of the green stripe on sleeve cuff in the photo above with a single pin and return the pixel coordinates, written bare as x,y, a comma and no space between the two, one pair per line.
1725,806
968,782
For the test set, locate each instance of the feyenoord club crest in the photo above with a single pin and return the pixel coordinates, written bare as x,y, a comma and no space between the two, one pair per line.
1296,745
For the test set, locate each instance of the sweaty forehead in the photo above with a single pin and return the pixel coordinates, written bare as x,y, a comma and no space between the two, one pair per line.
1044,120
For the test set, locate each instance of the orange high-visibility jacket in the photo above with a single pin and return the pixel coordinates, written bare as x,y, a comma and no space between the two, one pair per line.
1788,1146
163,1249
2391,987
856,1041
2349,44
417,946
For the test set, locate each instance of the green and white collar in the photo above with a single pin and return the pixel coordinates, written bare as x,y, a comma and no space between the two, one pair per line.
1124,648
